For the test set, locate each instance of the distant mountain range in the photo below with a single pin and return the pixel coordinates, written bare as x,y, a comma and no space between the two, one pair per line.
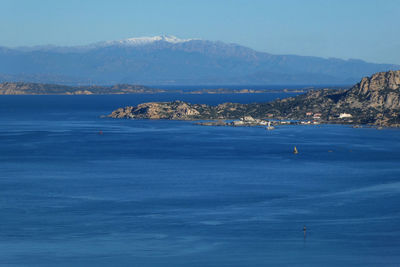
164,60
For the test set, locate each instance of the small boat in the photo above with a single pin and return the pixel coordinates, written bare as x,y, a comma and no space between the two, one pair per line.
295,150
269,127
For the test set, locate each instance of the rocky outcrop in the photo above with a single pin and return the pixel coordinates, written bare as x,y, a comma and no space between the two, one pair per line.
179,110
380,81
380,91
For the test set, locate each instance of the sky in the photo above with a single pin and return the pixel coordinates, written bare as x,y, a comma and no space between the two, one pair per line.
361,29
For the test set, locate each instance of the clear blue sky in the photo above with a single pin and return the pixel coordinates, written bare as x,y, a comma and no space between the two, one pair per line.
364,29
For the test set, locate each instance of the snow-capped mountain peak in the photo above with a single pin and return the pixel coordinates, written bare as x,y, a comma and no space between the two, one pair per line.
146,40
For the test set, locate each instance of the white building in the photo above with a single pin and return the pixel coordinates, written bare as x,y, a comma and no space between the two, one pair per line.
317,116
344,115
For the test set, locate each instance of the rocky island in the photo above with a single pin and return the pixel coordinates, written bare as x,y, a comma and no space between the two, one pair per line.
374,100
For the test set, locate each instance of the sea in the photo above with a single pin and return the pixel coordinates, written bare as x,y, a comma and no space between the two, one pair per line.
77,189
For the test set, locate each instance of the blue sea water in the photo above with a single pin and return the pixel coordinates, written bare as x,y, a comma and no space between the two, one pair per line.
171,193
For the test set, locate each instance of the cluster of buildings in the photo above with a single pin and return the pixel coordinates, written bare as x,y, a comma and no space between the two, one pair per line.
318,115
249,121
344,117
314,118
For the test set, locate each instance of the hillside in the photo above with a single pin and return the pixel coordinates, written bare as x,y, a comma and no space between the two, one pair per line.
374,100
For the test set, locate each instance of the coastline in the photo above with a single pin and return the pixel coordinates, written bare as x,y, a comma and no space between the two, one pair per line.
374,100
278,124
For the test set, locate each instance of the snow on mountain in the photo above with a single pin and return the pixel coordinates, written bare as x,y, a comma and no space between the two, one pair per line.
147,40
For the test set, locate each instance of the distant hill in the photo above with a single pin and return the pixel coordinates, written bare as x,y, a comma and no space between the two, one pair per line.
22,88
170,60
25,88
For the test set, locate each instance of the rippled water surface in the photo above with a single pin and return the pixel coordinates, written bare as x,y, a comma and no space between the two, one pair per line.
170,193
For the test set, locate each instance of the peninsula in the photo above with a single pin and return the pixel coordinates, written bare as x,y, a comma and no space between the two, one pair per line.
374,100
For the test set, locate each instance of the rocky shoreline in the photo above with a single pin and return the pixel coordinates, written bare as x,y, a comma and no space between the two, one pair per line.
373,101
